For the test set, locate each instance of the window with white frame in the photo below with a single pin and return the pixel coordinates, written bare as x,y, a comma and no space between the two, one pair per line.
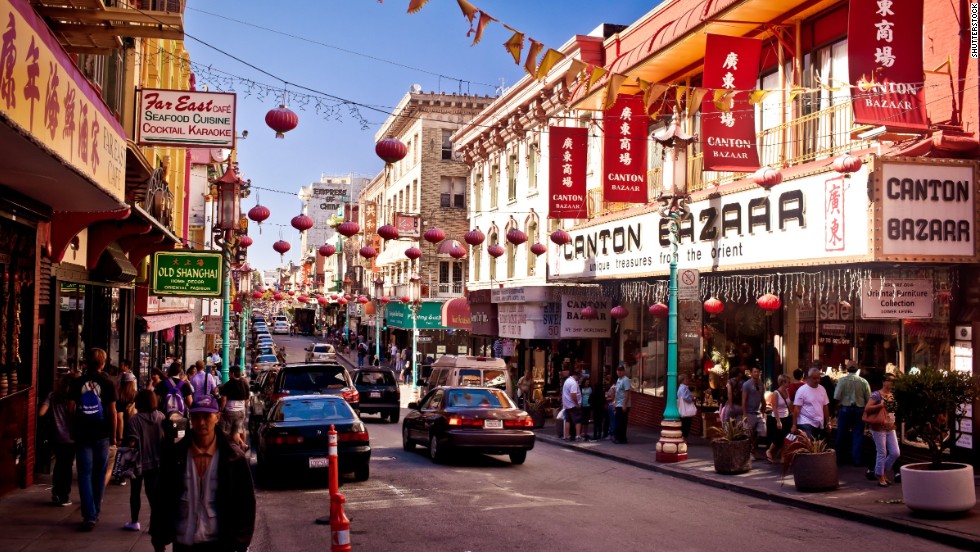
532,238
447,144
494,184
493,260
478,184
533,160
512,177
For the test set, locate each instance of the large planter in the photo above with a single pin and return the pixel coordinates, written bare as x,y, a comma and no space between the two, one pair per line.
814,472
948,490
537,417
732,457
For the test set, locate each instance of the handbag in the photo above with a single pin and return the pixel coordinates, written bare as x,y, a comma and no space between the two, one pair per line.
127,463
879,417
686,409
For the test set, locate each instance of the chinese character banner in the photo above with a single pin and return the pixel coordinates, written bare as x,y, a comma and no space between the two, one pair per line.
730,64
624,150
884,51
567,147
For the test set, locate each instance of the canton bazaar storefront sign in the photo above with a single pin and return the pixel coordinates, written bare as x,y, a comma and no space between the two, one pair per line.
797,223
572,323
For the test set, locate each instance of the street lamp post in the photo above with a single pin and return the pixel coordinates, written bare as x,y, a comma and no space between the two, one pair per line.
415,297
673,199
229,212
379,291
348,285
245,287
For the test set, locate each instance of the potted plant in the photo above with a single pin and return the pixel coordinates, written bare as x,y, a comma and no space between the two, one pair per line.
814,465
536,410
731,448
931,403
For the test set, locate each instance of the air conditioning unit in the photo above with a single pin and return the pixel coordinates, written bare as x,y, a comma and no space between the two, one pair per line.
964,333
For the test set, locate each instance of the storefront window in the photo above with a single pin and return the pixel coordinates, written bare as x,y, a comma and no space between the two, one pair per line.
71,344
115,333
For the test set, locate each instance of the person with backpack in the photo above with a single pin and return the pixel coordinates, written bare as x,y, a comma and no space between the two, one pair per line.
203,381
175,398
93,401
144,429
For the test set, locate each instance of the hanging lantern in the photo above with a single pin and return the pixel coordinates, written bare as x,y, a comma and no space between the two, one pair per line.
474,237
281,247
516,236
363,299
302,222
413,253
334,296
619,312
348,229
495,250
277,296
560,237
229,195
322,301
303,299
539,249
457,251
767,177
388,232
256,295
282,120
385,300
342,300
391,150
434,235
290,293
847,163
713,306
244,241
258,214
659,310
327,250
769,303
406,299
588,313
368,252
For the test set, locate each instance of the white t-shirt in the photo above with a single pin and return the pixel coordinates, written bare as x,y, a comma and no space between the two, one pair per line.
571,394
811,401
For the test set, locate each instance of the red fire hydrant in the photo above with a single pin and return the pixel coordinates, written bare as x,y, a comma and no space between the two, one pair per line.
339,525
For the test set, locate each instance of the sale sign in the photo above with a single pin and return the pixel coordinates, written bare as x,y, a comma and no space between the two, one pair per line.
731,64
568,147
624,151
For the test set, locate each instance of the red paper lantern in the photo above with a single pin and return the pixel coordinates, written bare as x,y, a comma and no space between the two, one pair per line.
619,312
406,299
847,163
368,252
277,296
327,250
322,300
474,237
560,237
342,300
258,214
385,300
302,299
348,229
516,236
281,247
659,310
539,249
388,232
457,251
244,241
282,120
413,253
713,306
256,295
588,313
434,235
334,296
495,250
769,303
302,222
767,177
391,150
290,293
363,299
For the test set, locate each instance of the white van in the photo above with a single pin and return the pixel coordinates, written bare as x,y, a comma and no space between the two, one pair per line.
470,371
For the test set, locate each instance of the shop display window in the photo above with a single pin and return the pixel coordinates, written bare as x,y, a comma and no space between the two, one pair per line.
17,257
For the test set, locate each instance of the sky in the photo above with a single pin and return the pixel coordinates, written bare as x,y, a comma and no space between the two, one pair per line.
354,60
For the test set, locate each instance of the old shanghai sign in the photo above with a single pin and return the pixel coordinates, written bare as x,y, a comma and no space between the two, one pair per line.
181,118
187,273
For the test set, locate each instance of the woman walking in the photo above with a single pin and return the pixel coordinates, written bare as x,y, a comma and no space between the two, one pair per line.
780,417
62,443
145,430
881,409
686,405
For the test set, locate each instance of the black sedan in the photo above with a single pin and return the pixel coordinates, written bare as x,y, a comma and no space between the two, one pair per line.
378,392
478,419
294,437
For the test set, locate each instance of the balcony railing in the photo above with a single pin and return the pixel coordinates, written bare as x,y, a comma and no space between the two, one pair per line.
97,26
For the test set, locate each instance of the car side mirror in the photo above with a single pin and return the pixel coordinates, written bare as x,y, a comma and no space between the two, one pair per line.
413,406
308,349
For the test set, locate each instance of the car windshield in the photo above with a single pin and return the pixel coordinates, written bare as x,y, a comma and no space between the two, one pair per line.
477,398
302,410
263,359
322,349
375,378
265,351
314,380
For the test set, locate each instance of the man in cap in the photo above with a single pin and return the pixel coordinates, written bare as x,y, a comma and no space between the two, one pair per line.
852,394
205,498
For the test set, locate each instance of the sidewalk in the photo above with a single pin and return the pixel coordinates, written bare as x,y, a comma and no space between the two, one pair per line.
857,499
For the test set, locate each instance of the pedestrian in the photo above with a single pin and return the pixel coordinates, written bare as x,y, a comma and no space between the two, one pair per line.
753,400
234,401
623,400
525,387
810,407
145,429
393,358
93,401
57,403
883,429
124,409
156,377
796,383
205,499
586,388
406,365
686,406
600,419
852,394
611,408
399,362
780,418
361,353
172,389
216,361
203,382
571,402
733,390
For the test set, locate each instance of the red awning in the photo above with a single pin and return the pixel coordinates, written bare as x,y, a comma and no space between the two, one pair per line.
456,314
157,322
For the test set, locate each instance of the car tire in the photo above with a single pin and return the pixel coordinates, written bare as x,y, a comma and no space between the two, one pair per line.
518,456
393,416
407,444
363,472
436,453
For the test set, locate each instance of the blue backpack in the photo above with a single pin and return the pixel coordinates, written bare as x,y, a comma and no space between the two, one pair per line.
90,402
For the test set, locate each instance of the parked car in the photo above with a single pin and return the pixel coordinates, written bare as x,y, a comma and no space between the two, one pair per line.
479,419
264,362
260,351
280,327
294,437
468,371
315,378
379,392
320,351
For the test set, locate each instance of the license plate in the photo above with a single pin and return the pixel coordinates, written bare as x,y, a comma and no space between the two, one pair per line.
493,424
319,462
375,394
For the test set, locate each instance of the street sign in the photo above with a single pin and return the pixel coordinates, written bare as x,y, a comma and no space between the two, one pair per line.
187,273
212,325
688,284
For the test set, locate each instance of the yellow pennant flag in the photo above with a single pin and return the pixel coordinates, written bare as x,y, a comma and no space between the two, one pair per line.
612,89
680,92
416,5
796,92
696,98
574,70
515,44
654,93
485,20
723,99
757,96
469,11
597,73
551,57
531,64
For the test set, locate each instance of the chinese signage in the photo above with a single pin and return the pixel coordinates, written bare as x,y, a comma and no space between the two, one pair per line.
370,217
750,228
187,273
407,225
574,325
399,315
928,209
731,64
624,151
884,59
568,149
529,320
892,298
43,93
212,325
182,118
833,208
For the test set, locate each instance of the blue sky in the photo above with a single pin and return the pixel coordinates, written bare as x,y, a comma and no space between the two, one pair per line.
370,53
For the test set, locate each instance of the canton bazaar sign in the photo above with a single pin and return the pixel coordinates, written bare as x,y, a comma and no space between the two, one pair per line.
572,323
182,118
187,273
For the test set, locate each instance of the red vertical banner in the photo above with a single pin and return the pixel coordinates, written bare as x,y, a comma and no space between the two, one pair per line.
568,148
624,151
731,64
884,58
